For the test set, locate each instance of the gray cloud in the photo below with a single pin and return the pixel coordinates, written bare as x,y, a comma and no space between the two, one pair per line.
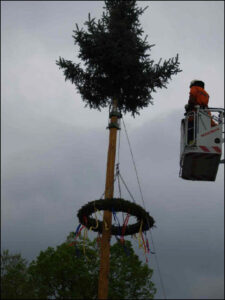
54,151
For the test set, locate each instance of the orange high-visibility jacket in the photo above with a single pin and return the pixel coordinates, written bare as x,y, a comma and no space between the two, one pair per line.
198,96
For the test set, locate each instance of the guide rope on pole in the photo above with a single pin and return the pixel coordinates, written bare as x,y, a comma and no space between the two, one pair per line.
134,164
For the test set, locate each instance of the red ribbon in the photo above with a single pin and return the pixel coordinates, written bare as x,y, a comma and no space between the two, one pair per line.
79,232
147,244
124,227
143,242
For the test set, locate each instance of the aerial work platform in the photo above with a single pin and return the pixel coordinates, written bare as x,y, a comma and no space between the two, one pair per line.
201,144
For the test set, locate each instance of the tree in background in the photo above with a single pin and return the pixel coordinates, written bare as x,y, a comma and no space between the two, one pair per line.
66,273
116,60
129,277
14,277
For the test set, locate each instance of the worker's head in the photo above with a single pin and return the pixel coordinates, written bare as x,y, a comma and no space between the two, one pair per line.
197,82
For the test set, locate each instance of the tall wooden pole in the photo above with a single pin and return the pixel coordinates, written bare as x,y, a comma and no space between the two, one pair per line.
107,218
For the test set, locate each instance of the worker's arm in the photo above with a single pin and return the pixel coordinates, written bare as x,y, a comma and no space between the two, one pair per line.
192,98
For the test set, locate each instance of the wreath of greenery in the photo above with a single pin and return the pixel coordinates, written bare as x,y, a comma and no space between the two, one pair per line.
117,205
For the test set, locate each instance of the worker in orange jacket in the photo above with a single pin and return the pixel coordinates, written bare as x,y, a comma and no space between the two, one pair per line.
197,96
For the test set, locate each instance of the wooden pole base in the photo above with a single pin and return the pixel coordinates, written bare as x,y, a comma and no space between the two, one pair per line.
107,217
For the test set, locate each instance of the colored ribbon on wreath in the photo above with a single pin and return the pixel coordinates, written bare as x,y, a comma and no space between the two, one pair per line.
122,234
119,239
124,227
143,243
77,233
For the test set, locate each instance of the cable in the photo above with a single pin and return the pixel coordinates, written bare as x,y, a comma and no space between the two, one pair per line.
117,165
157,263
104,191
118,150
119,187
127,188
133,161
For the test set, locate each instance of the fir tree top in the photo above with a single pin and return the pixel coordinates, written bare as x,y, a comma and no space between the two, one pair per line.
116,59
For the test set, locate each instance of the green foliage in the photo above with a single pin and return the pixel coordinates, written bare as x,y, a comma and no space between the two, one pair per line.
65,273
129,277
59,273
14,277
116,59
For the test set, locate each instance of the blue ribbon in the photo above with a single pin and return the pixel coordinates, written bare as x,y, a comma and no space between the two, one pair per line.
116,219
77,230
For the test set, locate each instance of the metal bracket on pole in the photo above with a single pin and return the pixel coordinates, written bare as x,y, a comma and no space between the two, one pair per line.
115,113
113,125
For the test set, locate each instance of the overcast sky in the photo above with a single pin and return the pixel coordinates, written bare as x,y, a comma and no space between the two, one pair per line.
54,150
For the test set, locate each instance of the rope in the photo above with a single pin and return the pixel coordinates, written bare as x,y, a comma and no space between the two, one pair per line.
118,178
160,277
101,197
118,150
117,168
127,188
128,140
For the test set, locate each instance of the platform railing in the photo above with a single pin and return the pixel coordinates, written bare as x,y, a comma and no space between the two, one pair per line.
187,128
195,114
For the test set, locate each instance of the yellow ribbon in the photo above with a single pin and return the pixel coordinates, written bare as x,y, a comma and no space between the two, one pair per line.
106,227
96,218
140,242
100,213
85,237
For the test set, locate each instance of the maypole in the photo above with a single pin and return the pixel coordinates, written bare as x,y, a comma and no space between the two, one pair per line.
107,217
117,72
